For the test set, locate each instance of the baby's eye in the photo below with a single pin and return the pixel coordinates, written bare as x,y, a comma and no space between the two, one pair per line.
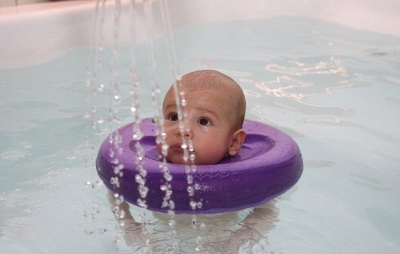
204,121
173,117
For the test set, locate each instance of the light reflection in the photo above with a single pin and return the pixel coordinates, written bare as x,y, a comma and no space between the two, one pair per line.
283,91
297,68
295,77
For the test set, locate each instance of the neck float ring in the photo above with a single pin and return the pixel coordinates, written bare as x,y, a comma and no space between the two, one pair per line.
269,164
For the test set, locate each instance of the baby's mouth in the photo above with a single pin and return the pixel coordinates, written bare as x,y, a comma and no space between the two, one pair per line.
177,148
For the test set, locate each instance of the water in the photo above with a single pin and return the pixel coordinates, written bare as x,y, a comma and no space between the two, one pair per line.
334,89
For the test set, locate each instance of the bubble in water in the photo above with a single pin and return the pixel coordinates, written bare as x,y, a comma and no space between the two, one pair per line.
192,157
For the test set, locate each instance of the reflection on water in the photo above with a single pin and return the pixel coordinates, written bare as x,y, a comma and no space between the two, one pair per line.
231,232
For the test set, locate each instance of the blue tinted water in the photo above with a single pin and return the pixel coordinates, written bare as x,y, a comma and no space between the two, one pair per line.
335,90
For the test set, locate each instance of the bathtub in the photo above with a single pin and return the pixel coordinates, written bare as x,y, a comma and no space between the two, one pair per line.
35,30
326,72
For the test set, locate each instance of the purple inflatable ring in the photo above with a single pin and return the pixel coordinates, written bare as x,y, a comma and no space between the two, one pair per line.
268,165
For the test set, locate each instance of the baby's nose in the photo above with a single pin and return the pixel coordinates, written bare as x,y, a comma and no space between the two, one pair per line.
186,130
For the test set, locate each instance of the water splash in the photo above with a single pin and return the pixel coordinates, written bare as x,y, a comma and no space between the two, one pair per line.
113,86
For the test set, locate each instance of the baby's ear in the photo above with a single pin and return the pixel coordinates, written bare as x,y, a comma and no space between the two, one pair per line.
238,138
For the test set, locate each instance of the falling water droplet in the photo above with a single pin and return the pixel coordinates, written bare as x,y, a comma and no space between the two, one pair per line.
172,223
100,120
100,87
189,179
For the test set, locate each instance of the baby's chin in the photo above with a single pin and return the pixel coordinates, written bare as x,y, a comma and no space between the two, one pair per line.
180,160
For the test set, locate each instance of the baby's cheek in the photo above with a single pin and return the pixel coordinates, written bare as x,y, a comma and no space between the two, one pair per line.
160,148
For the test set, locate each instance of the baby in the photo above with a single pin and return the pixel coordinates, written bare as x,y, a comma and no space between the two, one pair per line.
215,106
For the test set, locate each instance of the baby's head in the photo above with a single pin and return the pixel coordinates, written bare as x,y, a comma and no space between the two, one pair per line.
213,118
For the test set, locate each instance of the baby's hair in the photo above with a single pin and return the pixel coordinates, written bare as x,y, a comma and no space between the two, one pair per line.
219,82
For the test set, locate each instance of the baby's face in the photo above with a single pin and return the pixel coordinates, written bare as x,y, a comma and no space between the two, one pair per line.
207,125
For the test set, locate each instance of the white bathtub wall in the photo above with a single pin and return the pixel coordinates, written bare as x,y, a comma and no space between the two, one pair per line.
36,33
5,3
382,16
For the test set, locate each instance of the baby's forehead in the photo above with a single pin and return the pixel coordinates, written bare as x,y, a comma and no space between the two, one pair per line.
208,83
202,99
